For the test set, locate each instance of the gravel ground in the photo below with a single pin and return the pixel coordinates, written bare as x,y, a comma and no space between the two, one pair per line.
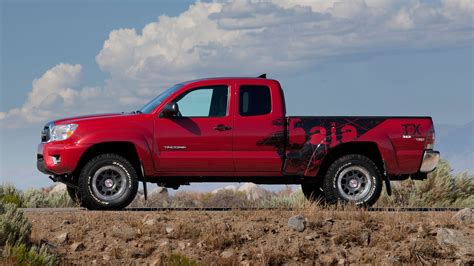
254,237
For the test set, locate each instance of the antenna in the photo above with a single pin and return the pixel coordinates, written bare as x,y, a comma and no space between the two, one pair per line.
263,76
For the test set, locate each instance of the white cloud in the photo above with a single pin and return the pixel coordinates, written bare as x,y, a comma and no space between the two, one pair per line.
242,38
458,8
54,94
402,20
52,89
249,37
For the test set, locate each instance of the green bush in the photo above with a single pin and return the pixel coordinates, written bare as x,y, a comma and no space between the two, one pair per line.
9,194
34,198
33,255
226,198
14,227
59,200
15,231
441,189
293,200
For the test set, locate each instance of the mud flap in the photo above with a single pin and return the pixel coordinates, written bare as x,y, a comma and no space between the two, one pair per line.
387,185
145,192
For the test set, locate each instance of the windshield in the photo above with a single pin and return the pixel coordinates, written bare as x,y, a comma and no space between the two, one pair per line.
149,107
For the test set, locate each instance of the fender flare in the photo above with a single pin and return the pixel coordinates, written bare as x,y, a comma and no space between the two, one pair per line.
139,141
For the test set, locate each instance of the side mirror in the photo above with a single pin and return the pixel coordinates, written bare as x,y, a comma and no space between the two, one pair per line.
170,110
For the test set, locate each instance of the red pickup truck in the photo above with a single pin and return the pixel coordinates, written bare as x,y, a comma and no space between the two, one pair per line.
232,130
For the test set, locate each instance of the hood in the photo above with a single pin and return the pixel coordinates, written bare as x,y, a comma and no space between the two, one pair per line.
78,119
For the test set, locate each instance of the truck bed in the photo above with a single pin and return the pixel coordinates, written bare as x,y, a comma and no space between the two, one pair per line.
400,140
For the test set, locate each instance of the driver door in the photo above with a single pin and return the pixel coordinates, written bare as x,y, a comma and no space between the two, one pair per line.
199,139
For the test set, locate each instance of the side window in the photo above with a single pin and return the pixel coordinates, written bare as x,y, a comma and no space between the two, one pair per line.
204,102
254,100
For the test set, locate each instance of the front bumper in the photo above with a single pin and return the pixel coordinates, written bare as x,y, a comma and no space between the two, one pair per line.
58,158
41,165
430,161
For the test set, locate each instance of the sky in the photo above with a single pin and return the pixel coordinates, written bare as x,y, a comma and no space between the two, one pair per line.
372,57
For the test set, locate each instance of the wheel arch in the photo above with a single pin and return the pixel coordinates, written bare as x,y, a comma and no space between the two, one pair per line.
365,148
123,148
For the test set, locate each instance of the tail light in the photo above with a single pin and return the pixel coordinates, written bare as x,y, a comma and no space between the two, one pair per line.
430,139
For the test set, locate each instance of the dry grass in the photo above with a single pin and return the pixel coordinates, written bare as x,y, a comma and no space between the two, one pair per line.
34,198
333,234
441,189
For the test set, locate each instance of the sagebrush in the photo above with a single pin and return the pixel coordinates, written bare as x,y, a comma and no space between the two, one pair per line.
34,198
443,188
15,243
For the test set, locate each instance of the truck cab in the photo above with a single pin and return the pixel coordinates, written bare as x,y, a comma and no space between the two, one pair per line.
214,127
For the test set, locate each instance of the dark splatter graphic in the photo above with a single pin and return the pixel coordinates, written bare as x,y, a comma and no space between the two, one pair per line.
311,138
277,139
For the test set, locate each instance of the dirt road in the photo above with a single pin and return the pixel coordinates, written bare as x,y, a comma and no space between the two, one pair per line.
245,237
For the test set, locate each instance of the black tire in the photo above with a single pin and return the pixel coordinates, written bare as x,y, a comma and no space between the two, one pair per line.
74,194
107,182
313,192
344,181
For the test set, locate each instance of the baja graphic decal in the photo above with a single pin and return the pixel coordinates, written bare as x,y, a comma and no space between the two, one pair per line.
311,138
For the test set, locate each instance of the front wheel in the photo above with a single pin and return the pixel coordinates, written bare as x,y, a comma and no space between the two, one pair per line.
107,182
353,178
74,194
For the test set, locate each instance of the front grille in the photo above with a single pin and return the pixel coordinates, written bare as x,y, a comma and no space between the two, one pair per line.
45,134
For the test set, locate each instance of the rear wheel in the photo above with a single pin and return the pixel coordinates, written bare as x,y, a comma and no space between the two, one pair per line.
107,182
353,178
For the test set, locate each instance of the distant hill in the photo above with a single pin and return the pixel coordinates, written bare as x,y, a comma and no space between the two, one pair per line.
456,144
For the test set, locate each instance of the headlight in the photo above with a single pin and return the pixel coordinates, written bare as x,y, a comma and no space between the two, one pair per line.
61,132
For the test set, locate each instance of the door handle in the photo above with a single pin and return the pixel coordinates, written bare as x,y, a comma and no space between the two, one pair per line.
221,127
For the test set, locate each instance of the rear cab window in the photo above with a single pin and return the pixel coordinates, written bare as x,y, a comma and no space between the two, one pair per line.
254,100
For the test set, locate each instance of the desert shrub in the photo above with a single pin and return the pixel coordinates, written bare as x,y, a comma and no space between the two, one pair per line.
180,199
185,199
9,194
284,200
226,198
155,199
441,189
14,227
24,255
15,231
34,198
59,200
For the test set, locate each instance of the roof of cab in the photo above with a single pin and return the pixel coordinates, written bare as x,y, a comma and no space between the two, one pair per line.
262,77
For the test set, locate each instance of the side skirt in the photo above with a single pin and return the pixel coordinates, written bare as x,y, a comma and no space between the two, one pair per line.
275,180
